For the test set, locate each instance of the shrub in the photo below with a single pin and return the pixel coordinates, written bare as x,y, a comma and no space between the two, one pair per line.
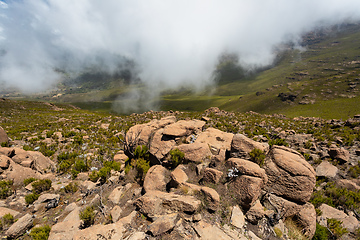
41,185
177,157
5,188
278,141
94,176
8,219
104,174
141,152
71,188
336,228
32,197
80,166
257,156
27,181
354,171
321,233
142,167
88,216
278,232
113,165
40,233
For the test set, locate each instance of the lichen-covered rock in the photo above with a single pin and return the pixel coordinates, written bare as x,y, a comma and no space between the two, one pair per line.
289,175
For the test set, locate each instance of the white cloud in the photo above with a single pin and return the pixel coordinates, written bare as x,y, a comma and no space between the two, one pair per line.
173,40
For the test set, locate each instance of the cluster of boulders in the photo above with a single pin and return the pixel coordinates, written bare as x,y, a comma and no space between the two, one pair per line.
218,191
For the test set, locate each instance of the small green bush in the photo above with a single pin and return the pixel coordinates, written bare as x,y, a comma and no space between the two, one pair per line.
141,152
8,219
257,156
354,171
142,167
32,197
279,142
5,188
113,165
27,181
41,185
177,157
71,188
94,176
40,233
336,228
5,144
88,216
321,233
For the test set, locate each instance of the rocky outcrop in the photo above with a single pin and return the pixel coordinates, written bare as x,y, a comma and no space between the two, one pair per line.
290,176
195,152
217,140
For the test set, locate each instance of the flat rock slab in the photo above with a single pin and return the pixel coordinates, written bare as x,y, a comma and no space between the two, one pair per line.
210,232
20,226
216,139
326,169
237,217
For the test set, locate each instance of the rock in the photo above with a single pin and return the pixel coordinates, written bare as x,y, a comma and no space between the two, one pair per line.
9,152
158,203
82,176
290,176
216,139
210,232
19,173
257,212
4,162
246,189
115,213
340,154
51,201
120,157
195,152
178,176
241,146
348,184
184,128
68,227
212,175
161,145
140,134
348,222
306,218
88,185
163,224
118,192
19,227
35,160
212,198
3,136
156,178
4,210
113,231
137,236
249,168
283,207
237,217
326,169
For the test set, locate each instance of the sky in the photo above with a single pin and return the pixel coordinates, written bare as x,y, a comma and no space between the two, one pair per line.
173,41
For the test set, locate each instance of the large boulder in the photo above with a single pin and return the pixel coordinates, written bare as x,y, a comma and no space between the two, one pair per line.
212,198
245,167
35,160
163,224
116,195
161,144
155,203
195,152
241,146
19,173
212,175
3,136
4,162
20,226
290,176
184,128
340,154
216,139
156,178
68,227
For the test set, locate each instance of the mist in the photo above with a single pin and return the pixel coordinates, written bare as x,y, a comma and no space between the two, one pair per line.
173,42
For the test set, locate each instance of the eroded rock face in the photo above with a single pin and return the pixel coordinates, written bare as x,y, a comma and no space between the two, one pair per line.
158,203
241,146
19,173
290,176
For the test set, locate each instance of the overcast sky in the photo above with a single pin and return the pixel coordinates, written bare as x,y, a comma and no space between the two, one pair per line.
172,40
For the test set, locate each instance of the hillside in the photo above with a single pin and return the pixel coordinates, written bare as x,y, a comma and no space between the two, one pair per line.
68,173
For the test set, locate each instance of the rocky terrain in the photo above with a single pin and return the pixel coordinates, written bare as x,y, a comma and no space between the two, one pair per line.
71,174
